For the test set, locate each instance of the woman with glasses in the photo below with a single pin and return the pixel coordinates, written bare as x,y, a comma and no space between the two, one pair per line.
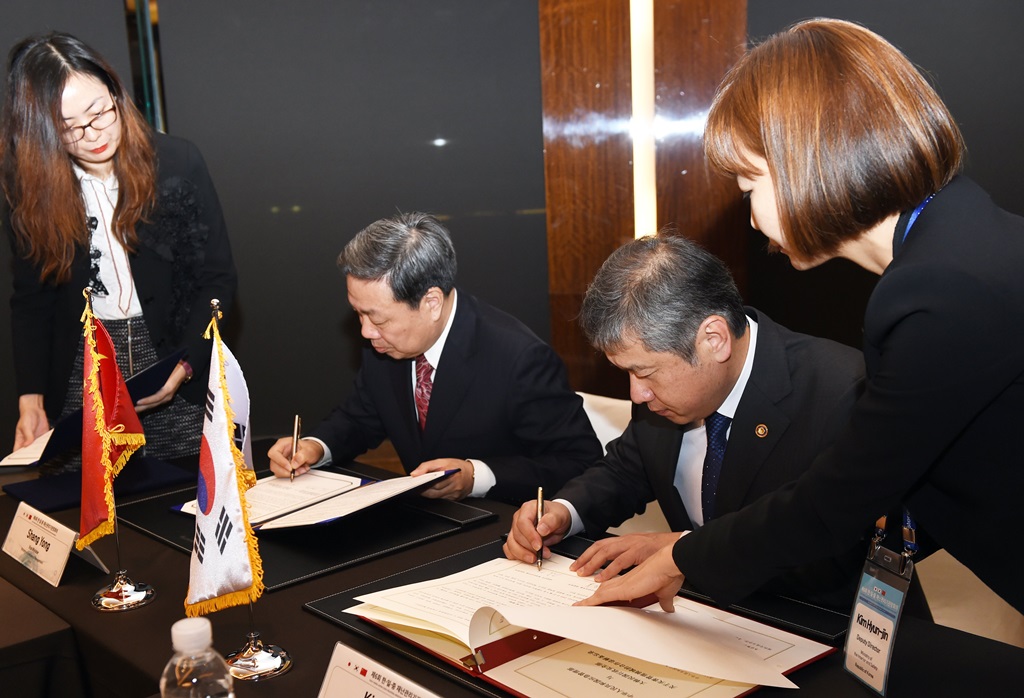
847,151
95,198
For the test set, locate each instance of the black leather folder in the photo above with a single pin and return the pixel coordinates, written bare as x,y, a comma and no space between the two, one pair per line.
64,491
292,555
67,433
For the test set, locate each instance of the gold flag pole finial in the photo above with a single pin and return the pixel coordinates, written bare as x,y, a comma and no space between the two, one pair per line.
215,315
87,294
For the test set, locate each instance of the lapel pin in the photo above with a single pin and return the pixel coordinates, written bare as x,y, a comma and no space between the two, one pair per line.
761,430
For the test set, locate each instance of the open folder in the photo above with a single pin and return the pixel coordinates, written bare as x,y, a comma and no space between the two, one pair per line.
321,496
66,435
513,626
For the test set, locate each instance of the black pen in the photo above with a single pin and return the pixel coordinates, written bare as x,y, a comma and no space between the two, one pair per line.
295,443
540,513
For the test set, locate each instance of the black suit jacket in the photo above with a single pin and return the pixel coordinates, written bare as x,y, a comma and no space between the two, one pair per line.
183,261
500,395
936,428
799,395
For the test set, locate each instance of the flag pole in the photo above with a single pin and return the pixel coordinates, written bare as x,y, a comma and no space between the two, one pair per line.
255,661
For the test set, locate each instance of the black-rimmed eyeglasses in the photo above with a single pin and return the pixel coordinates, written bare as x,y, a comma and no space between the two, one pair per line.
105,118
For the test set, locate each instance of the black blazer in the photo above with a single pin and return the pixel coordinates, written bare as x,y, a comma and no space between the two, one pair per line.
799,395
184,260
936,428
500,395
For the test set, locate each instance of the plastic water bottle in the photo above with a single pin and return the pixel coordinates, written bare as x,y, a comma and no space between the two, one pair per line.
195,670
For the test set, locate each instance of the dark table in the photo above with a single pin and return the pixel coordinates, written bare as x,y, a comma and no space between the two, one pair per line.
123,654
37,649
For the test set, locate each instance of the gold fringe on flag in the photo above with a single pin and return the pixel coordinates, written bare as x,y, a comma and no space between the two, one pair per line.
245,478
115,435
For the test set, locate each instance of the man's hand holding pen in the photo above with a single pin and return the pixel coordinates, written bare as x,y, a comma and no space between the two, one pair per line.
284,461
528,535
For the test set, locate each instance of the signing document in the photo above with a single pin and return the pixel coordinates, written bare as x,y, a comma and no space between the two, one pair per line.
477,614
318,496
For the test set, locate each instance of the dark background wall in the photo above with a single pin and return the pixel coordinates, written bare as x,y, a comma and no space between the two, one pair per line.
317,118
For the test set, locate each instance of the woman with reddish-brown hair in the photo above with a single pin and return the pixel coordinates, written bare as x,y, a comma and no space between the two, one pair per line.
845,150
95,198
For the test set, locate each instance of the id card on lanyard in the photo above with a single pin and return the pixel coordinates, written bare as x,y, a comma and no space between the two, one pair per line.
877,609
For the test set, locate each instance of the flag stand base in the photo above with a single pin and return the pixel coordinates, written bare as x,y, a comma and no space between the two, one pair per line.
123,594
258,662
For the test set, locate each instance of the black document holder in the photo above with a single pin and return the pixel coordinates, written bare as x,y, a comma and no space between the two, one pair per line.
292,555
140,473
64,491
67,433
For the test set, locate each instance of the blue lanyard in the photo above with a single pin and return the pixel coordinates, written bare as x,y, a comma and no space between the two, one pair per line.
915,214
909,533
909,527
910,546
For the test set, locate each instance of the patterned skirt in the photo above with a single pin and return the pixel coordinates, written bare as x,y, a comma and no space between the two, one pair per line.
173,430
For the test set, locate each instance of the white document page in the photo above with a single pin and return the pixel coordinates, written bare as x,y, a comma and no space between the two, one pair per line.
447,605
569,668
696,638
275,496
28,455
352,501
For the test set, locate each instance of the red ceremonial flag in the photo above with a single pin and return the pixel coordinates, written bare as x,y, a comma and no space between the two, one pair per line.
111,431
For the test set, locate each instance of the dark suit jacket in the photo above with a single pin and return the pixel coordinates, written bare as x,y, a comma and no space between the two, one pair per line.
936,427
183,260
500,395
801,389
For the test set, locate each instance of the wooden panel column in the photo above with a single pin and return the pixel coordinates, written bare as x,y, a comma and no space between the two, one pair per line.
585,80
695,44
585,66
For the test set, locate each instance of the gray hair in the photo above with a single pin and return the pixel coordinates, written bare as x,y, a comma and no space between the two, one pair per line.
413,252
658,290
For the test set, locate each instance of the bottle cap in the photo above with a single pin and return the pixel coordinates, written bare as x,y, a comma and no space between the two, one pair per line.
191,635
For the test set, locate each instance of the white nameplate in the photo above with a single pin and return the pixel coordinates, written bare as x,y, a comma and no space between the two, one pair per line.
43,545
351,673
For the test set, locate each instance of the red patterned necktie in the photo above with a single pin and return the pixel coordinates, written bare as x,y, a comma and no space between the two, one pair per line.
423,387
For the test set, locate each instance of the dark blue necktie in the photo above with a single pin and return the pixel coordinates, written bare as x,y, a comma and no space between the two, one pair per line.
717,428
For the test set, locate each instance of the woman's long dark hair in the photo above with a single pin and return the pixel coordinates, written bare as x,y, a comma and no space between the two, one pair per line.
47,209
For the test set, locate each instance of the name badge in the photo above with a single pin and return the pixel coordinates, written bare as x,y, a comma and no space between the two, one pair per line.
351,673
876,616
43,545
